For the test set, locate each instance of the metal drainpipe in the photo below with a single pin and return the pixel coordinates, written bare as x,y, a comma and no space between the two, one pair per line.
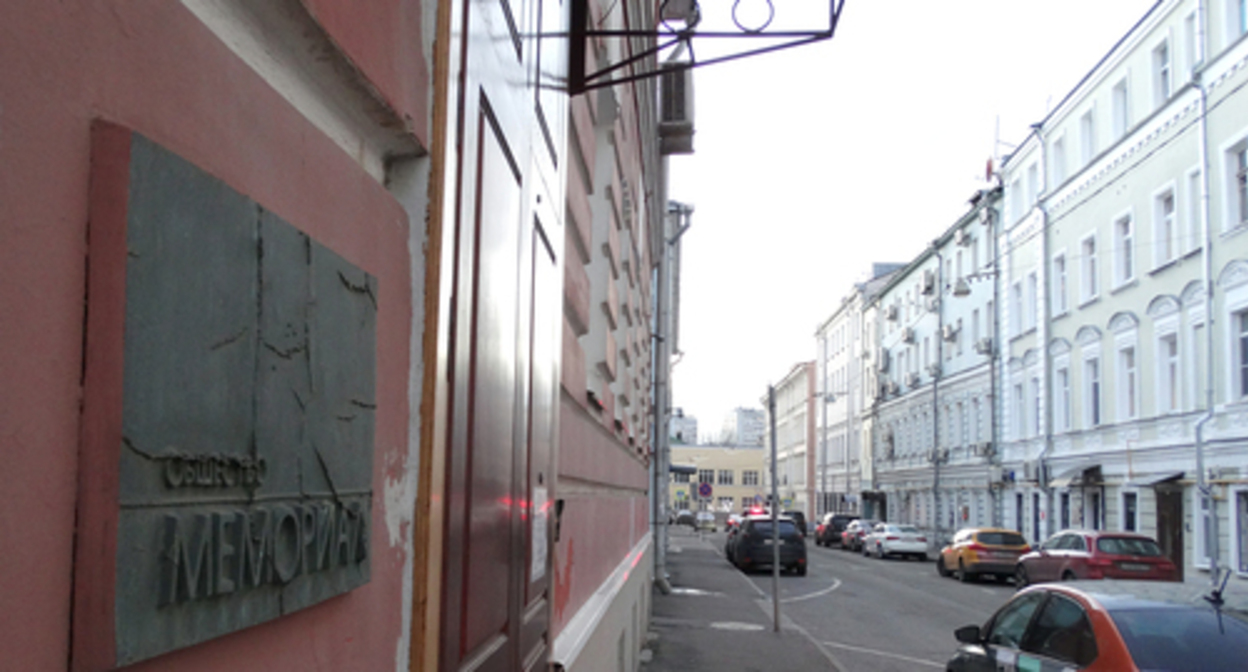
1202,483
1046,358
940,324
998,513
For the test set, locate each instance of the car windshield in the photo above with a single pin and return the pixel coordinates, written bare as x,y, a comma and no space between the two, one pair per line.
1001,538
1128,546
1183,640
763,527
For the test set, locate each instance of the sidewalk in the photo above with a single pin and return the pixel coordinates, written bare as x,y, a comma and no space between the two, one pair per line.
714,619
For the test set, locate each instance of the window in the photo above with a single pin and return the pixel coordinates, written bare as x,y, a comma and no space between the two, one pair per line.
1189,42
706,475
1035,407
1058,158
1089,287
1033,184
1016,199
1059,284
1062,632
1033,296
1065,510
1020,410
1129,509
1061,404
1092,392
1237,164
1240,325
1094,514
1162,81
1236,19
1010,623
975,325
1016,322
680,477
1164,230
1087,136
1241,529
749,477
1193,241
1124,251
725,503
1203,524
1198,358
725,477
1127,393
747,502
1168,373
1121,118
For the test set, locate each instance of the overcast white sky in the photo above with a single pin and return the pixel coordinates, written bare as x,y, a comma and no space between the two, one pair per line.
813,162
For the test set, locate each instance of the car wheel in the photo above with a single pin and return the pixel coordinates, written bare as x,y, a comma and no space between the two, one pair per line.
941,569
1020,577
801,570
963,575
1068,576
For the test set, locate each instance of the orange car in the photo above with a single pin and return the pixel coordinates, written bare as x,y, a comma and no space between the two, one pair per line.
1118,626
981,551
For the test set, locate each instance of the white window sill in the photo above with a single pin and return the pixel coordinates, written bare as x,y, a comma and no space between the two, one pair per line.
1089,301
1125,285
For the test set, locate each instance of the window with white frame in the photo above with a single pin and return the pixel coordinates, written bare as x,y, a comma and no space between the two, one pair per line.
725,477
1121,119
1020,408
1033,296
1203,527
1059,285
1035,406
1168,380
1239,530
1087,136
1092,392
706,476
1057,159
1124,250
975,325
1165,233
1089,284
1016,199
1190,53
1061,401
1033,184
1237,184
1197,359
1236,20
1128,383
1162,75
1191,236
1239,325
974,420
1016,319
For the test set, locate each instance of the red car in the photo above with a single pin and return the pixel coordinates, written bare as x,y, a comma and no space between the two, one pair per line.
1095,554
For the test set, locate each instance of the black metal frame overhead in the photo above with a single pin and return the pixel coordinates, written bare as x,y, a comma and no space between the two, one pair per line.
666,36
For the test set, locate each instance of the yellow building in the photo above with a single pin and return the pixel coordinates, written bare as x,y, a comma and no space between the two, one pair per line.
736,476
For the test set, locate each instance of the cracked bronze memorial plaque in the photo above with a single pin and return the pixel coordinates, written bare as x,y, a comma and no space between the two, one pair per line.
227,444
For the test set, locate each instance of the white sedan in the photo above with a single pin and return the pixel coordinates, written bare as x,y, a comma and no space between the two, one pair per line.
893,539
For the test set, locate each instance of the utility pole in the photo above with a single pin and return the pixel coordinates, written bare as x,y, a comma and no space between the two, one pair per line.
775,514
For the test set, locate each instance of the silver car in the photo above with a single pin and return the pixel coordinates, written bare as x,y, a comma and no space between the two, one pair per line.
895,539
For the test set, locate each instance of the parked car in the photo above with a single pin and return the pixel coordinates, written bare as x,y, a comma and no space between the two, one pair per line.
799,519
706,521
685,517
831,526
888,539
1095,554
1110,626
982,551
752,547
851,539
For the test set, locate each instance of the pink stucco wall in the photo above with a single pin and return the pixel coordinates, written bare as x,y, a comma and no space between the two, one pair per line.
150,66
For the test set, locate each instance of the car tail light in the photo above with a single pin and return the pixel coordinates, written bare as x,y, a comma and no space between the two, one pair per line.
923,539
977,547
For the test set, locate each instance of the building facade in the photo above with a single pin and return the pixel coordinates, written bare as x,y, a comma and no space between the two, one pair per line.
736,476
745,427
795,438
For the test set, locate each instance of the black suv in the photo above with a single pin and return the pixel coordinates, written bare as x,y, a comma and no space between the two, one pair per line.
752,546
829,531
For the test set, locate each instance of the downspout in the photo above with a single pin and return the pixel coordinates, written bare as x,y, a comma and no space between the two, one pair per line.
1207,500
998,513
937,371
1046,358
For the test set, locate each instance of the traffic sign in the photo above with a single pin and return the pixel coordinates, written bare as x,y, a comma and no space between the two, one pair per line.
704,490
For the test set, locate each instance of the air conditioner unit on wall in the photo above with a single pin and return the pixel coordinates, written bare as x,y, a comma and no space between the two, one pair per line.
907,335
950,332
961,237
983,346
933,370
912,380
893,387
676,109
891,312
929,281
1031,470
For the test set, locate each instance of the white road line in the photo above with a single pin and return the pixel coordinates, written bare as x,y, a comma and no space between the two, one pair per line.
836,583
874,652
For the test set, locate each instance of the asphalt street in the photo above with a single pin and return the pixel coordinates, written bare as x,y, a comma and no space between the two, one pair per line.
876,615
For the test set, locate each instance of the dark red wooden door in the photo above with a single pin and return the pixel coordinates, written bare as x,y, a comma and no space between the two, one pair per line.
505,170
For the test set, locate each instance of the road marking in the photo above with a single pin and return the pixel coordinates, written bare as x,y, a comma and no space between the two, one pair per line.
898,656
836,583
730,625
